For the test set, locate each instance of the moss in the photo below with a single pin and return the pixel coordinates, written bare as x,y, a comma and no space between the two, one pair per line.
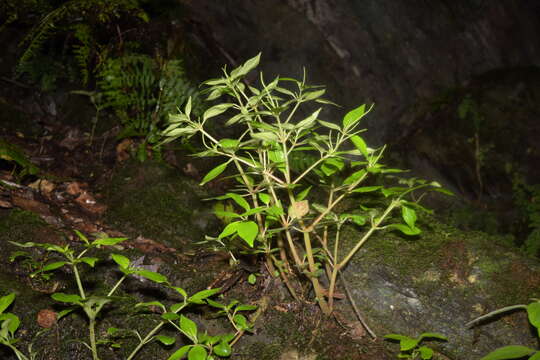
155,201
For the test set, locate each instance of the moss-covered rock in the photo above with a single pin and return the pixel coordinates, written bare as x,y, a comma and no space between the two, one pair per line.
439,282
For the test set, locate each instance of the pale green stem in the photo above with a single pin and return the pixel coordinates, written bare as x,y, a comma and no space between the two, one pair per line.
117,285
332,286
334,203
150,335
78,280
366,236
92,328
19,354
314,281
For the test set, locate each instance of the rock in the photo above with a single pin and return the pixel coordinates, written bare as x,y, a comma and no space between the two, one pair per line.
438,283
381,51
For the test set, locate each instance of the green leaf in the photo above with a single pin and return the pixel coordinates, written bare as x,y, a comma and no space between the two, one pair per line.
121,260
509,352
408,344
216,110
64,312
217,81
302,195
153,276
409,216
197,352
330,125
189,328
312,95
248,231
353,116
108,241
354,177
536,356
229,143
308,122
229,229
264,197
397,337
170,316
5,301
187,108
89,260
265,136
241,322
357,219
239,200
53,266
151,303
82,237
365,189
252,279
360,144
165,340
246,67
223,349
432,335
245,307
177,132
405,229
236,118
425,352
198,298
67,298
9,322
180,353
212,174
533,312
215,304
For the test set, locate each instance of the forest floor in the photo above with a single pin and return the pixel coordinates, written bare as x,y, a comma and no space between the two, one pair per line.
90,183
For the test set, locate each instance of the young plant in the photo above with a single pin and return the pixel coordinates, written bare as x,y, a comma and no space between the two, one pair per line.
92,304
514,351
9,324
276,159
410,348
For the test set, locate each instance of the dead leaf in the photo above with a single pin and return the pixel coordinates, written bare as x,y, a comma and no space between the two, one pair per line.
191,170
46,318
74,137
123,150
5,204
43,186
88,202
149,245
75,188
31,205
298,209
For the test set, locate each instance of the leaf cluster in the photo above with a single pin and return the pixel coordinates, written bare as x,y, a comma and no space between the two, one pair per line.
203,347
272,202
411,348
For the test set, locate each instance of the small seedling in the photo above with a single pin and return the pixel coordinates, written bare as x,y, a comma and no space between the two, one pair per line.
204,346
410,348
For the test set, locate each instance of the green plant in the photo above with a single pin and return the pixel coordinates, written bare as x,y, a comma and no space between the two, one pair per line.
468,109
514,351
75,19
92,304
13,153
9,324
274,212
142,92
527,202
410,348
